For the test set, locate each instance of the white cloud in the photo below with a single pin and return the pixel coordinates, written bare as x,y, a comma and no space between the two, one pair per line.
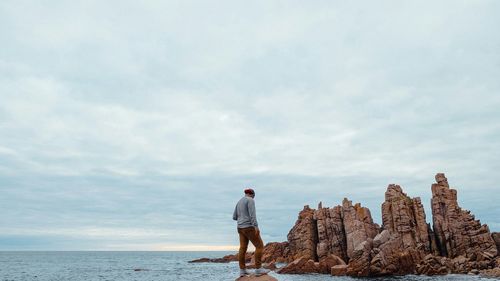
111,97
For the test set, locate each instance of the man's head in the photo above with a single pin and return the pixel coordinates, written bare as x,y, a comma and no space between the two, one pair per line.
250,192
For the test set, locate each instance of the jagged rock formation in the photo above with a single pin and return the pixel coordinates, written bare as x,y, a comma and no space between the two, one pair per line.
341,228
331,234
405,217
303,237
275,252
359,265
457,231
407,244
492,273
433,265
300,266
496,238
358,225
326,237
344,240
339,270
404,241
304,265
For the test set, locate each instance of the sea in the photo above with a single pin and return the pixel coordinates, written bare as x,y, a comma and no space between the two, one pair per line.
145,266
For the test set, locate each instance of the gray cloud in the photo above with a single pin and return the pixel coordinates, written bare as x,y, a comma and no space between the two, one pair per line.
136,126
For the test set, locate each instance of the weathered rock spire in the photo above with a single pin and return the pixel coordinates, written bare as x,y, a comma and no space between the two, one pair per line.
457,231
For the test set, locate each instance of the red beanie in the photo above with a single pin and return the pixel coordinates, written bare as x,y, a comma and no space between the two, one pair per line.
249,191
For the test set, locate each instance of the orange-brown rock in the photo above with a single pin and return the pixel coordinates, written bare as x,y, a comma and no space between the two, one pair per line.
402,244
491,273
304,265
496,238
327,237
391,258
225,259
432,265
275,252
200,260
300,266
405,217
339,270
303,237
326,263
457,231
358,225
341,228
271,266
323,240
359,265
331,234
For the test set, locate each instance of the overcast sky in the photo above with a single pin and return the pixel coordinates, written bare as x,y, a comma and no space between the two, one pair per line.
135,125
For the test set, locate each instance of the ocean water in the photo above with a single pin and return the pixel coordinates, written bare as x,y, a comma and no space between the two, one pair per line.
164,266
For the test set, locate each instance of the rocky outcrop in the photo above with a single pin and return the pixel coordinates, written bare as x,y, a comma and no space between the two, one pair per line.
300,266
325,239
391,258
341,228
404,217
404,241
331,233
359,265
326,263
491,273
339,270
270,266
433,265
358,225
496,238
408,245
275,252
225,259
457,231
304,265
303,237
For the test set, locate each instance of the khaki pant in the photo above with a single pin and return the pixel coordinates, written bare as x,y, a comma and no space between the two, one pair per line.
250,234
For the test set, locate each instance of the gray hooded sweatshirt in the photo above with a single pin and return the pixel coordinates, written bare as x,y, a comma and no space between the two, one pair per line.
244,213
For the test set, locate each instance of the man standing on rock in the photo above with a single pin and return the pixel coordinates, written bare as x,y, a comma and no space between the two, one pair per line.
248,230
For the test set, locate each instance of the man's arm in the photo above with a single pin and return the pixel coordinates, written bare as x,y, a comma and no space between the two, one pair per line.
235,213
252,213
